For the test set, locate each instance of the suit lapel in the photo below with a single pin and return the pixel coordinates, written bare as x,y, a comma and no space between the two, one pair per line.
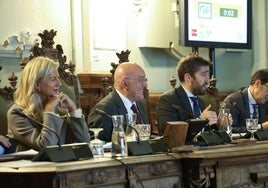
185,101
120,107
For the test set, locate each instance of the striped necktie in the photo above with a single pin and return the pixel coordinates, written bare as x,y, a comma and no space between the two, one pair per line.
136,111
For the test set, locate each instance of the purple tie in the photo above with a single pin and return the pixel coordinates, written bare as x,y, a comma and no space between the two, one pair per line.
135,110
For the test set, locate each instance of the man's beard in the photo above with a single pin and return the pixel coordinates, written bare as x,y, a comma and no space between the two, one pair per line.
199,90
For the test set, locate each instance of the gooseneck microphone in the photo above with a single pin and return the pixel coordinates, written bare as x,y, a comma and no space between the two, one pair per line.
101,112
20,113
236,105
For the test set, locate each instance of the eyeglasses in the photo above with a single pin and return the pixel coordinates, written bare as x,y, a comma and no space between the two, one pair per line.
140,80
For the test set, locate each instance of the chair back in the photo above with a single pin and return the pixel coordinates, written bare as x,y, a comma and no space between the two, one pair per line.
5,104
6,100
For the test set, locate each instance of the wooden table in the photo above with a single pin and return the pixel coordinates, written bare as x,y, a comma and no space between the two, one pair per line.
141,171
229,165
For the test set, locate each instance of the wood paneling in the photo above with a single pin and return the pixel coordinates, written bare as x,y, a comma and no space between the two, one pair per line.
93,89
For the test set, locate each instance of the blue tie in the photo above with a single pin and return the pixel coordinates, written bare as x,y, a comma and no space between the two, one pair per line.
196,108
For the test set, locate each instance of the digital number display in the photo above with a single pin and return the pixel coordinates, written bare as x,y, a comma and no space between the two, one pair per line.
226,12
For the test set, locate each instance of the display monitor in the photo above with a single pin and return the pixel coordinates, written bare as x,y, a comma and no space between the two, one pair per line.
215,23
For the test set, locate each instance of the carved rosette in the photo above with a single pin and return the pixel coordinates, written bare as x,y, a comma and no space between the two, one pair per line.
97,177
8,92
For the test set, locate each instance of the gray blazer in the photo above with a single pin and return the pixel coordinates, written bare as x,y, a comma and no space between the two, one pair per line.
32,135
174,105
111,104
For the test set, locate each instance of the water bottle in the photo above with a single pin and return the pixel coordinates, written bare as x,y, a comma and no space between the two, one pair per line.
119,144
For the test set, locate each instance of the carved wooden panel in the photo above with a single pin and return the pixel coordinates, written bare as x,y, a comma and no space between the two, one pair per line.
99,177
93,86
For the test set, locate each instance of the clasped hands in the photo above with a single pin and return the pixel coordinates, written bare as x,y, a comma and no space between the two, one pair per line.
60,101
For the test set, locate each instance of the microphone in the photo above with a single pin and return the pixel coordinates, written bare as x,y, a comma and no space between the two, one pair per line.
140,147
20,113
236,105
101,112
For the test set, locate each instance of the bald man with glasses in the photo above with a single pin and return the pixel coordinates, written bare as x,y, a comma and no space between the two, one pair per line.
129,82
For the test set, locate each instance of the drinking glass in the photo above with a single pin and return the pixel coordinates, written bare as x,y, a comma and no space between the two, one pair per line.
131,122
144,131
252,126
225,122
96,143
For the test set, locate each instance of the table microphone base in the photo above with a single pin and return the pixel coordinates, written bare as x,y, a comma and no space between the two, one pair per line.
145,147
68,152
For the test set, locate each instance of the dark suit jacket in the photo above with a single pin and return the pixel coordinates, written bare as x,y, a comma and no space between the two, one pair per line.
180,111
112,104
240,112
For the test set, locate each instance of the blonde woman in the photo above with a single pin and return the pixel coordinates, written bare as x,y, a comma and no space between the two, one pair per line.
41,115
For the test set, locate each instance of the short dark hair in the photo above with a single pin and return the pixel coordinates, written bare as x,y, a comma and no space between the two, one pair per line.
190,64
261,75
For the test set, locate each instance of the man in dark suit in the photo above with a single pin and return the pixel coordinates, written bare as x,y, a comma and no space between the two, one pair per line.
243,101
129,82
178,104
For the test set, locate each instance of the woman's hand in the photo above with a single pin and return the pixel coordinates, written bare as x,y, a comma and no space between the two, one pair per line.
60,101
66,102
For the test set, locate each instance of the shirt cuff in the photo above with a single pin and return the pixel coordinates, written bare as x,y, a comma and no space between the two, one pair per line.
76,113
53,113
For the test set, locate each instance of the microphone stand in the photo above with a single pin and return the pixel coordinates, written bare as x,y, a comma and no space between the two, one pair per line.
140,147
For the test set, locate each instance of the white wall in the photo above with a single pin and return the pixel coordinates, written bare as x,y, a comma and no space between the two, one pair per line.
74,36
35,16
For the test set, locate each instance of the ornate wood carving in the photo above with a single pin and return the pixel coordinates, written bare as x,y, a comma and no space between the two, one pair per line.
97,177
157,169
172,81
7,92
123,57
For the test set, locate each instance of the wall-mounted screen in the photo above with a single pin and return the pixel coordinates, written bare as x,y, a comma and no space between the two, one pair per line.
215,23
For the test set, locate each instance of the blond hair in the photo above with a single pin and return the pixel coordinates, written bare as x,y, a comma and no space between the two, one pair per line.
26,94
